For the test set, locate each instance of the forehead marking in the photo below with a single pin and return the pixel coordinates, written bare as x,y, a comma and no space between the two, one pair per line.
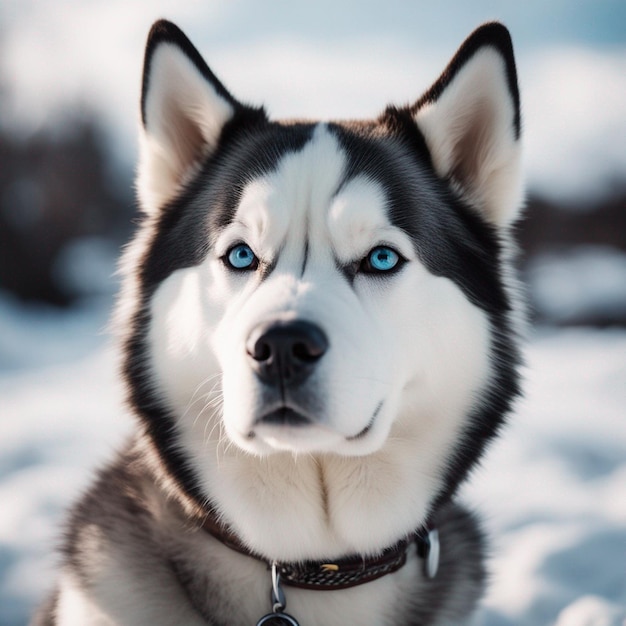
357,216
309,207
285,209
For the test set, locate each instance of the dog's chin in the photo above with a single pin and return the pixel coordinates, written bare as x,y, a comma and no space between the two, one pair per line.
275,435
296,439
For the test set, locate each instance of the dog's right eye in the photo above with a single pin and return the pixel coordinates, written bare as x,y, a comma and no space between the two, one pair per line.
241,257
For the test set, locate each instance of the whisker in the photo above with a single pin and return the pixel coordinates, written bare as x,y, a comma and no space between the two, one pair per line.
196,398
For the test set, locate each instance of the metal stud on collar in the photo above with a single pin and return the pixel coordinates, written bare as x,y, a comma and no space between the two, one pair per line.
431,558
279,603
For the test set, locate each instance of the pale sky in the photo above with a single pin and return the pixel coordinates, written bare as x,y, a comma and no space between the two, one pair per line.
332,59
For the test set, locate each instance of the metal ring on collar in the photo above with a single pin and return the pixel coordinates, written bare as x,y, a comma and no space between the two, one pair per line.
277,619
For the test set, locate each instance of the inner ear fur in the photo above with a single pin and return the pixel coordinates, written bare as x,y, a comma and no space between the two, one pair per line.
470,119
184,109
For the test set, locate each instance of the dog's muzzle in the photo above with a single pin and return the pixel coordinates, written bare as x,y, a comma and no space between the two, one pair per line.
285,354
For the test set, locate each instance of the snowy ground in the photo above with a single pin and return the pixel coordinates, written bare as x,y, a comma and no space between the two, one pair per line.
552,491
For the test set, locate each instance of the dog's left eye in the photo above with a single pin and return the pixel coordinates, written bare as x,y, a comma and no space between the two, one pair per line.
241,257
381,259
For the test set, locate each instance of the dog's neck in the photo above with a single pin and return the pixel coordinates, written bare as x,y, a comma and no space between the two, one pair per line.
343,573
307,508
332,564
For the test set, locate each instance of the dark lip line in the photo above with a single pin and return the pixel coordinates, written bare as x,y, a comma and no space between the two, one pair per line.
251,434
369,426
279,414
280,408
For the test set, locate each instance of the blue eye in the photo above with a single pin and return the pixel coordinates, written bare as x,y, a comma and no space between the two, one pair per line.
381,259
241,257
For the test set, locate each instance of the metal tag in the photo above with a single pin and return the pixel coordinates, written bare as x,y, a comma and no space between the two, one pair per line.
277,619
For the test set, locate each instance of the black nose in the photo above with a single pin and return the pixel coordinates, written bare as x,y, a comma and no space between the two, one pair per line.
286,352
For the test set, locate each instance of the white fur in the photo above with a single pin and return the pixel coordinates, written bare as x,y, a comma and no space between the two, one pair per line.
470,129
75,608
184,116
412,341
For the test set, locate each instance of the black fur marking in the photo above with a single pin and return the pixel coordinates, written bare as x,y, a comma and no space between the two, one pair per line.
249,147
488,417
449,237
475,264
347,271
452,241
490,35
157,421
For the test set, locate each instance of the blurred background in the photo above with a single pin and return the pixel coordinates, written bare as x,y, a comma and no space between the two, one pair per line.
69,84
69,87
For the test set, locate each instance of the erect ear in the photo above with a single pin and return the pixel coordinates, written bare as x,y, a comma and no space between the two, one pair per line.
183,111
470,119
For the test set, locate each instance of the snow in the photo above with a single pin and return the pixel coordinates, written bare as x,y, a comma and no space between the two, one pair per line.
60,412
552,491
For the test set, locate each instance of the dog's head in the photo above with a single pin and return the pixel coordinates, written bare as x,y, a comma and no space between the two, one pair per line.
324,287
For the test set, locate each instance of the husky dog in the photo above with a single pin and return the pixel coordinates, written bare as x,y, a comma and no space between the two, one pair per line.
319,325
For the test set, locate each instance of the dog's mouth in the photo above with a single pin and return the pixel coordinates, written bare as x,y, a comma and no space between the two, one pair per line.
291,420
285,416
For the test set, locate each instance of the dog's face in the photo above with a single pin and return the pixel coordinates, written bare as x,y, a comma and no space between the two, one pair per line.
317,313
322,288
306,270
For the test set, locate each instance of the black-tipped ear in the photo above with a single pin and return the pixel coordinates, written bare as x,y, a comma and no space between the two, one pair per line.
470,119
184,109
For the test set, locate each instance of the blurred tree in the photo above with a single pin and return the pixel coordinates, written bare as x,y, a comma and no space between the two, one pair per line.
551,226
55,189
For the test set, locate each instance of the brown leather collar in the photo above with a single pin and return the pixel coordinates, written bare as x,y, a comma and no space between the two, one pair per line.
335,573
